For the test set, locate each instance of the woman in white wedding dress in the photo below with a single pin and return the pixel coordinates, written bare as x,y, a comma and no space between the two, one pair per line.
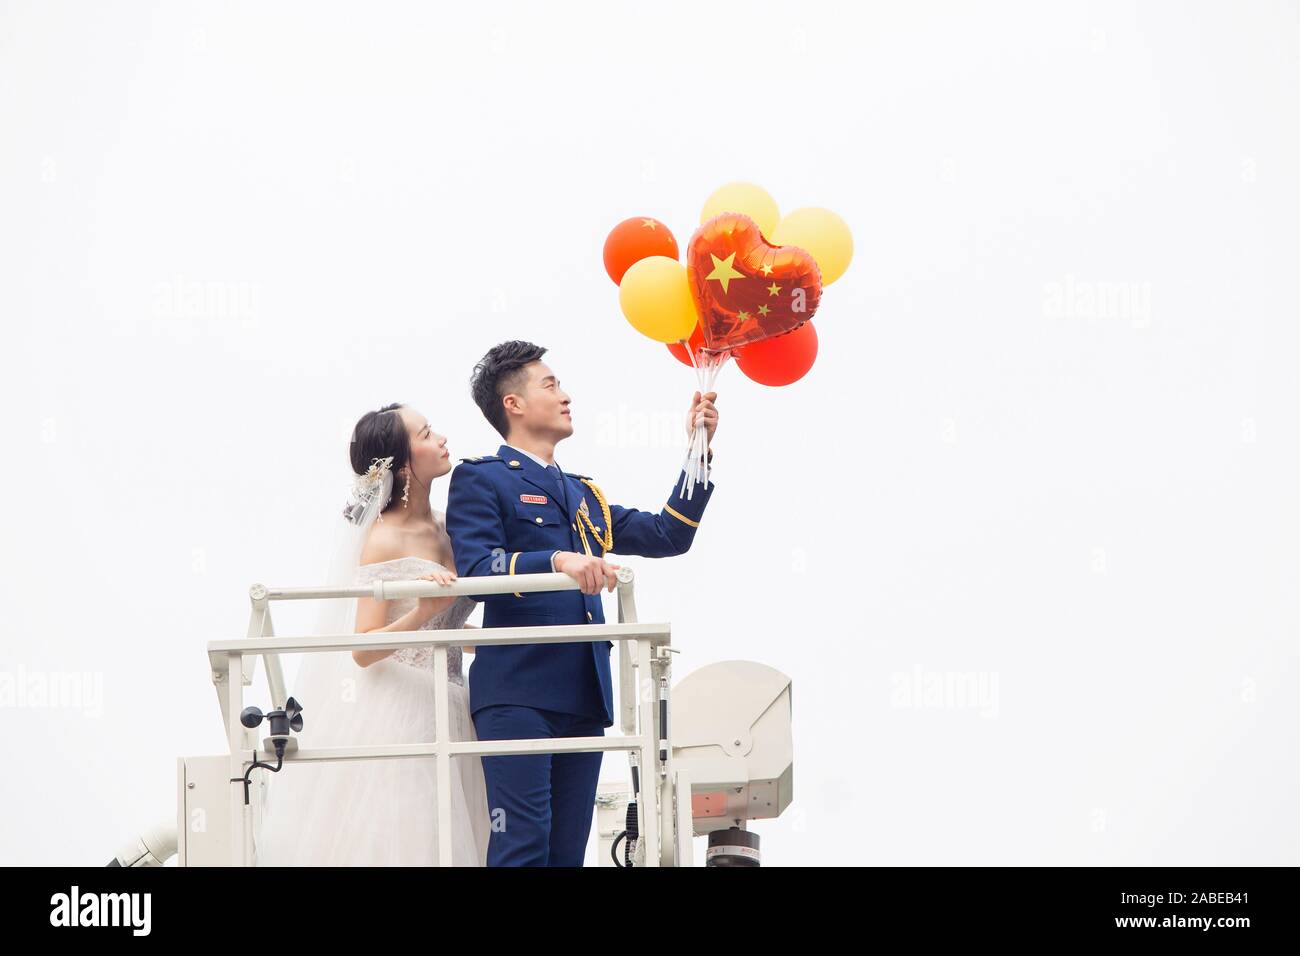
381,812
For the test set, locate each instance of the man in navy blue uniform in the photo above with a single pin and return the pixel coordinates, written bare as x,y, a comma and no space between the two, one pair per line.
517,512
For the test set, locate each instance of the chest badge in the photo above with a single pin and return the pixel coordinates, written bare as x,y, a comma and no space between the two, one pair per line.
533,499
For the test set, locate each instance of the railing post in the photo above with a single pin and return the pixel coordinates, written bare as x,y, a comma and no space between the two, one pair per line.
442,736
663,683
259,625
627,694
233,676
648,807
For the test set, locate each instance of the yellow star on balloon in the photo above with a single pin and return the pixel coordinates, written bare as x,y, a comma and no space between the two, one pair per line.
648,224
722,271
773,289
743,316
767,268
763,310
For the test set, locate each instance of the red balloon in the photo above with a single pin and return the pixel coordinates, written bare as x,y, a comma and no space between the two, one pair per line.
745,288
633,240
780,360
697,343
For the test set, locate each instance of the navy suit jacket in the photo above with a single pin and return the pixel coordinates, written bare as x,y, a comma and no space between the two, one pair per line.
504,516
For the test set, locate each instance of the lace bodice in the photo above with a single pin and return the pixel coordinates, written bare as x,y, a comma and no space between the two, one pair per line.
405,569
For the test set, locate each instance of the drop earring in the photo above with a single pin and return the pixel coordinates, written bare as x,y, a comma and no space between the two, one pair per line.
406,491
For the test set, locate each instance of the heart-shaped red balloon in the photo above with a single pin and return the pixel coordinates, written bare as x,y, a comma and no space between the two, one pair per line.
745,288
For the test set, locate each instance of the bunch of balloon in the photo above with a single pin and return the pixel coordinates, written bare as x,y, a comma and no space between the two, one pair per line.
750,286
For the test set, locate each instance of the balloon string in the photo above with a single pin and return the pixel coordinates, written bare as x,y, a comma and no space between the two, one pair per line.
696,467
704,446
684,491
697,448
690,353
702,465
699,380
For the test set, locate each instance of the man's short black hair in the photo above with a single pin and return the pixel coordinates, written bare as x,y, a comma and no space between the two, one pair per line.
497,374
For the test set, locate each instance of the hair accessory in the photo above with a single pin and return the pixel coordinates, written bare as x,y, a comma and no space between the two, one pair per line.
365,487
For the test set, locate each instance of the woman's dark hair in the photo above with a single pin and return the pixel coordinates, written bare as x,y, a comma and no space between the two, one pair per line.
496,375
379,434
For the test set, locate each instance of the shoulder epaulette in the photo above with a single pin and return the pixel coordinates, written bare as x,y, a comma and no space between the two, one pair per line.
574,474
479,459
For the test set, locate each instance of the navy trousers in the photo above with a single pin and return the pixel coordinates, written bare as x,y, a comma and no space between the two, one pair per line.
541,805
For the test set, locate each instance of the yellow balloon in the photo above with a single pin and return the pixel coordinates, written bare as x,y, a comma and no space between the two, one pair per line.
823,234
746,199
655,295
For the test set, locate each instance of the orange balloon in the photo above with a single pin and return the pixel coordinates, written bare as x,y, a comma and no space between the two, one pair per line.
780,360
696,342
633,240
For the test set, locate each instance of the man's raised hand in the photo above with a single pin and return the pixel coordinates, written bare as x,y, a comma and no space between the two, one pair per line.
704,412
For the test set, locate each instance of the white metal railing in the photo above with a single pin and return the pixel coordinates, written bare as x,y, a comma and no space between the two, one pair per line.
644,653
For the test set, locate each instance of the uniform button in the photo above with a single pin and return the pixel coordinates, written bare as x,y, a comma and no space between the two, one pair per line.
514,463
539,519
588,615
574,527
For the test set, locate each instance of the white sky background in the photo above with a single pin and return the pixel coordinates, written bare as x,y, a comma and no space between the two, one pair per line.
1093,514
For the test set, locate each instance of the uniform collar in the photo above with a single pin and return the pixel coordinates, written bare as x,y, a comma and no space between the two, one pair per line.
529,454
531,468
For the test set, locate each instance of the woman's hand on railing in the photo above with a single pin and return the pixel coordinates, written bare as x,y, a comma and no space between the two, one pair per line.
370,612
431,607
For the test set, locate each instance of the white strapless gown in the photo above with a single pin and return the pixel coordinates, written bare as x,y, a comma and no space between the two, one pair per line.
379,812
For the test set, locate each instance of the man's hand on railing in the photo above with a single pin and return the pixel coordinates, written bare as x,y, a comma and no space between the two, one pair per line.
590,572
